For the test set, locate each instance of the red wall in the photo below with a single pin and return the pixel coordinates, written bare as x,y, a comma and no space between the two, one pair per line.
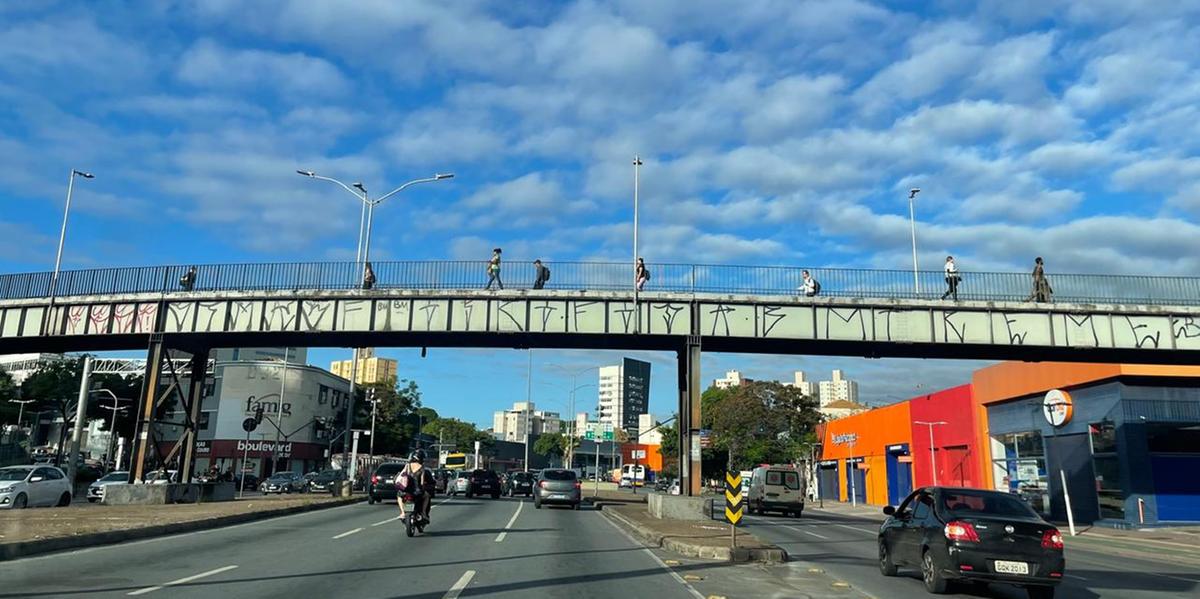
957,450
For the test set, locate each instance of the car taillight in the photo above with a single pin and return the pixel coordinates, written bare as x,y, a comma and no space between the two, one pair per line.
577,484
961,531
543,484
375,478
1052,539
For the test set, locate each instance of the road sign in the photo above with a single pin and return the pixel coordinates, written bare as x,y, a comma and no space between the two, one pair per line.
705,439
608,435
733,498
249,424
589,435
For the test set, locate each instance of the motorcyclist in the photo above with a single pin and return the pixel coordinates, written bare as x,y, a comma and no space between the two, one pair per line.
417,481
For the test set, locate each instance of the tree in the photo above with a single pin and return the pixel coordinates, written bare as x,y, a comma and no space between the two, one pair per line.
550,445
458,435
759,422
8,391
669,449
397,415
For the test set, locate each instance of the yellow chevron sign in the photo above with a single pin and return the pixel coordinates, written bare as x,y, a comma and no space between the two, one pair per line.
733,497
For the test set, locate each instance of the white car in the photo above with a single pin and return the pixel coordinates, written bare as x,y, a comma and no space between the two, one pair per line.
28,486
95,491
158,477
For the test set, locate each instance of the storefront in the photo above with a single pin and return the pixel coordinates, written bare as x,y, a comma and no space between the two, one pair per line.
871,453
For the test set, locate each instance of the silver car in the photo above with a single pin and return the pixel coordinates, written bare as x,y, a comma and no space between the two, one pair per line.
283,482
95,491
557,486
28,486
461,483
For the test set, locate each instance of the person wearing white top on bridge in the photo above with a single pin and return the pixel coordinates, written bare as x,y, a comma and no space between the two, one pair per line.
951,279
809,285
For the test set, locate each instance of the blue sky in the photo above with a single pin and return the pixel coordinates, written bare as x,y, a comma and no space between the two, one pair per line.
779,132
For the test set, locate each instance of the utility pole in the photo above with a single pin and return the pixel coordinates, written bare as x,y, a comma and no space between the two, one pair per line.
279,411
371,445
528,405
932,460
20,410
80,415
853,475
637,163
912,223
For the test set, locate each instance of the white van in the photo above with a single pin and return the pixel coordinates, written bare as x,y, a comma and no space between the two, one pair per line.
777,489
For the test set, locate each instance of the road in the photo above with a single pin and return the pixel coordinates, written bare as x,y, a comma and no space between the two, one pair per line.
474,548
846,548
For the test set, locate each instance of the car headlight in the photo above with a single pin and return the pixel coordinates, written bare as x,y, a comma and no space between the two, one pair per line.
6,489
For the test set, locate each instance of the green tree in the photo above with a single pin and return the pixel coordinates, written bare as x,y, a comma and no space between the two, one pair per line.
550,445
397,418
759,422
458,435
669,449
8,391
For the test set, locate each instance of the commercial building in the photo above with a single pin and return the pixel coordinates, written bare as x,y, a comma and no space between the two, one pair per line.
624,394
511,425
372,369
733,378
20,366
1121,440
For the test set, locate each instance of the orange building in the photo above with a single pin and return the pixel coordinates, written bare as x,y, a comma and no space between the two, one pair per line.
869,453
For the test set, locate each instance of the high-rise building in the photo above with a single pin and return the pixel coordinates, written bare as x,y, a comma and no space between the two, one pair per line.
648,434
838,389
624,394
510,425
733,378
371,368
807,387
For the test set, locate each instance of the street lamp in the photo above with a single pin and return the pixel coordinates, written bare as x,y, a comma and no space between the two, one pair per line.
932,462
362,256
912,223
112,427
21,410
637,163
62,237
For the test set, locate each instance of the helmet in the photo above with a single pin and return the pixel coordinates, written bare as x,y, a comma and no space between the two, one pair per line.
417,456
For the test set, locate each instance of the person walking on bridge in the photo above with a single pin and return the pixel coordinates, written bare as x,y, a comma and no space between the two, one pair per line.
952,279
640,274
493,270
1041,285
543,274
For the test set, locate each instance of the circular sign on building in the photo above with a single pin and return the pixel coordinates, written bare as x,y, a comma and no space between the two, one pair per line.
1057,407
249,425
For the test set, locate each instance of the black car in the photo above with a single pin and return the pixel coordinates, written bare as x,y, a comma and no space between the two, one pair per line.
483,482
973,535
382,486
518,483
325,481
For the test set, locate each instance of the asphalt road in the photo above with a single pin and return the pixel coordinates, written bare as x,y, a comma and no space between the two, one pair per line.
474,548
846,548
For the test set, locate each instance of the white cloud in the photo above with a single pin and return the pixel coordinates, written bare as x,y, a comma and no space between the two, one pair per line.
212,65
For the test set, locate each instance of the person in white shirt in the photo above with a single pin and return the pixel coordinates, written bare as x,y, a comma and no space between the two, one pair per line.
808,285
951,279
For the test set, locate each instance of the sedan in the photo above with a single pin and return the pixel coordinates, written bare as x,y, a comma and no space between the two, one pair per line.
26,486
95,491
325,481
971,535
483,482
283,482
557,486
461,483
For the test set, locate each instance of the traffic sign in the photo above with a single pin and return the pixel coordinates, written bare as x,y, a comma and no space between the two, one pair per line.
249,424
590,435
733,497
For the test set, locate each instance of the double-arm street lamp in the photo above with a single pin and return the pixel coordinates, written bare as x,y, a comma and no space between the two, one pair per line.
112,427
362,256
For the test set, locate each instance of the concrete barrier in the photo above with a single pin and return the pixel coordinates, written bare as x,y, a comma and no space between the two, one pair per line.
142,494
678,507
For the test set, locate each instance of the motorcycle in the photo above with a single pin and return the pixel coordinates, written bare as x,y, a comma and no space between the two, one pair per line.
413,522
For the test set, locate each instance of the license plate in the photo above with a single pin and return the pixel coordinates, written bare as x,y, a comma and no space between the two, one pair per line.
1003,567
558,496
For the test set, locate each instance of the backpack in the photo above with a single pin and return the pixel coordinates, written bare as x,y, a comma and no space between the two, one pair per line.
816,287
547,273
646,273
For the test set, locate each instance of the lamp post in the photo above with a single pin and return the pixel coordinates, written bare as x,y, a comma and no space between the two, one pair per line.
62,237
932,461
21,410
637,163
362,256
279,410
112,427
912,223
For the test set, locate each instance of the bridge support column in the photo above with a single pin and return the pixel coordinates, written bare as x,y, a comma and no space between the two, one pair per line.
145,409
689,417
195,396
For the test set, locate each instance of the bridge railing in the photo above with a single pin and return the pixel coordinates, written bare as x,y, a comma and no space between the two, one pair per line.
599,276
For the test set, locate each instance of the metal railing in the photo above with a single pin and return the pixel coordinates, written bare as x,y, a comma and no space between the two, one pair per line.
597,276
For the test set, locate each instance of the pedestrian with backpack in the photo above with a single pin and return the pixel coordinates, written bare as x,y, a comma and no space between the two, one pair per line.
493,270
416,482
641,274
952,279
808,285
543,274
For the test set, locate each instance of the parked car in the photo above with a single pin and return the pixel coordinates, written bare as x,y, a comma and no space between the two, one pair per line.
778,489
461,483
29,486
251,483
518,483
283,482
95,491
162,477
557,486
483,482
974,535
382,485
325,481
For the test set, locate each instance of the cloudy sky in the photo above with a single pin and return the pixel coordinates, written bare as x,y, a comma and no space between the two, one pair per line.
772,132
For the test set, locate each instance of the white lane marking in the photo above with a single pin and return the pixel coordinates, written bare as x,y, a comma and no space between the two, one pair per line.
1075,577
458,587
386,521
660,563
806,532
504,533
870,532
181,581
348,533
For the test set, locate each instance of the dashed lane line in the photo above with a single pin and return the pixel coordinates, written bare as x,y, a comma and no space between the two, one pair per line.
458,587
181,581
348,533
500,537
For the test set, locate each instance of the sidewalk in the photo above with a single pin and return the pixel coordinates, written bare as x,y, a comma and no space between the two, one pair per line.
692,538
41,530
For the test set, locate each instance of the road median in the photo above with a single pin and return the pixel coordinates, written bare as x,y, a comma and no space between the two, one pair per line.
700,539
36,531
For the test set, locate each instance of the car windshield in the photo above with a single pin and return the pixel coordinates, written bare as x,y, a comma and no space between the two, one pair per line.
522,477
11,474
111,476
558,475
282,476
966,504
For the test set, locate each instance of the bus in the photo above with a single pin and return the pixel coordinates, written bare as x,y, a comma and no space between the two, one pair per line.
454,461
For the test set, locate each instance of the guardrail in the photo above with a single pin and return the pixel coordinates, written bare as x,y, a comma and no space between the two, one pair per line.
598,276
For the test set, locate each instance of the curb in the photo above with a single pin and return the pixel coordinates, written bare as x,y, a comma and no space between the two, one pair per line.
10,551
770,555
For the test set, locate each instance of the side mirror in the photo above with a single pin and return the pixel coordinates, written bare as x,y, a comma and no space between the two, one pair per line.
36,479
889,511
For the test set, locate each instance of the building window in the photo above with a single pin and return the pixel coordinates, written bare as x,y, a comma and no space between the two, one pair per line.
1024,462
1109,494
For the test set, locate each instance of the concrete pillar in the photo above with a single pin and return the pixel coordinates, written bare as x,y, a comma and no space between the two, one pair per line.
199,370
689,417
145,412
